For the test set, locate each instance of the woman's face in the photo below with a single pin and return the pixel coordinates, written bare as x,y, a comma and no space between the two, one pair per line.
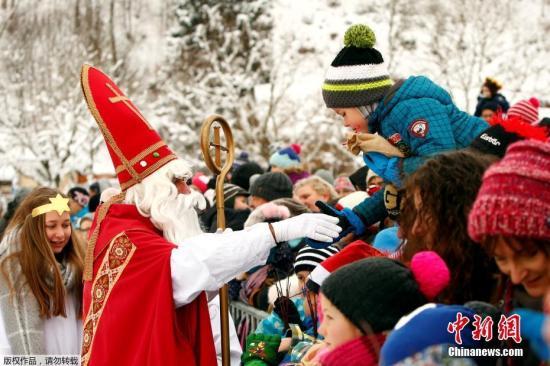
307,196
353,119
58,230
336,328
530,269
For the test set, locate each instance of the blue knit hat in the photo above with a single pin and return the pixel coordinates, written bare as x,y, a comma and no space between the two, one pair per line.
426,327
287,157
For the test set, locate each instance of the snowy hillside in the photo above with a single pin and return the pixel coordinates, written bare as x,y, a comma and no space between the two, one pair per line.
260,63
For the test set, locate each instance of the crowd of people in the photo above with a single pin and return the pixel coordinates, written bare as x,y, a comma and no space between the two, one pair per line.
439,244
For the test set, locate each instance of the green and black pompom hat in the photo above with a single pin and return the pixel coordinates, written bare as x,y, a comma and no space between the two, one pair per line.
358,76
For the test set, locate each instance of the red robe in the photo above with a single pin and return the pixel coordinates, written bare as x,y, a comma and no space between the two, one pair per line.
129,311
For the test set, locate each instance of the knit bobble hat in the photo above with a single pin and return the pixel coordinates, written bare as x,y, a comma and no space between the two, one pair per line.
514,198
271,186
358,75
287,157
241,175
527,110
230,192
308,258
423,328
374,293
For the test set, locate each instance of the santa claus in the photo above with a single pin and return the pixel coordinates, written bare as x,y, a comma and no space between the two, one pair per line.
148,264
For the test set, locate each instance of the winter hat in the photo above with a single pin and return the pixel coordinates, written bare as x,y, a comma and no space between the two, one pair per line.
428,326
271,186
241,175
287,157
374,293
351,253
325,175
491,105
230,192
308,258
80,195
200,181
359,178
505,131
358,75
343,183
514,198
425,327
241,159
527,110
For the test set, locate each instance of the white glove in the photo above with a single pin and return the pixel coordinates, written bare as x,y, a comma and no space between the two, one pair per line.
315,226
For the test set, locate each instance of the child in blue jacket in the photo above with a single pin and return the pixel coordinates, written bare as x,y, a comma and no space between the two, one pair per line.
397,125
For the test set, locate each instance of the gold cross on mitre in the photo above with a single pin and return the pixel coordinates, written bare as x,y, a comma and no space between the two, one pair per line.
58,204
122,98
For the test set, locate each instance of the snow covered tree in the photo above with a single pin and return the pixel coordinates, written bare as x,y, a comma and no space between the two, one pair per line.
219,53
47,131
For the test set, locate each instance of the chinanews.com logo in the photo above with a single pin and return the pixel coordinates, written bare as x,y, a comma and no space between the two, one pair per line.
509,328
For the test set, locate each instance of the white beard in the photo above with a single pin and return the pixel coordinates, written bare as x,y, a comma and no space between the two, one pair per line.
157,197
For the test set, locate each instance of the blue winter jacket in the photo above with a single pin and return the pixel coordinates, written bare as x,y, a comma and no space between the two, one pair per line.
420,118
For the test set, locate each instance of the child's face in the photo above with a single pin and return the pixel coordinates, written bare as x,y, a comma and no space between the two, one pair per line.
335,327
241,203
525,268
353,119
307,196
487,115
58,230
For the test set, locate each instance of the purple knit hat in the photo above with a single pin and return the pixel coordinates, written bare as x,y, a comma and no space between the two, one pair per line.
514,198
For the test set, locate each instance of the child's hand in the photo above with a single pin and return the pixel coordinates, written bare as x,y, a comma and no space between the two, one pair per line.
368,142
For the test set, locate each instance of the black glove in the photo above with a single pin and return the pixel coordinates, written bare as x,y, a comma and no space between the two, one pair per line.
350,222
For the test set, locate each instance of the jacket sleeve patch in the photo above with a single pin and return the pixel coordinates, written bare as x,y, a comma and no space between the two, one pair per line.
419,128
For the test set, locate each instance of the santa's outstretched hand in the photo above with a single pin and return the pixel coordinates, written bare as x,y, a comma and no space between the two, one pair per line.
319,227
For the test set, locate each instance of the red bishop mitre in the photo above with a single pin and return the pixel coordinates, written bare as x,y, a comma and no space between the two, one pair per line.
136,148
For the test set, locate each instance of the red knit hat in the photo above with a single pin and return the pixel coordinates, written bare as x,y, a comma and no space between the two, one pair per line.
527,110
514,198
135,147
351,253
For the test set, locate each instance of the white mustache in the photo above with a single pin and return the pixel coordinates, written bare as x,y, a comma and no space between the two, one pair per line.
193,200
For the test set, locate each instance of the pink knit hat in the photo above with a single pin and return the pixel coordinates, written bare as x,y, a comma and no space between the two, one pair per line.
514,198
527,110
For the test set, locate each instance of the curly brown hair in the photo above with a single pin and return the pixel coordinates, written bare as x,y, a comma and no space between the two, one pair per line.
445,188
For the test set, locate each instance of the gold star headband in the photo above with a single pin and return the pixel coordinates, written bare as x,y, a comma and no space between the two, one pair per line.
58,204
